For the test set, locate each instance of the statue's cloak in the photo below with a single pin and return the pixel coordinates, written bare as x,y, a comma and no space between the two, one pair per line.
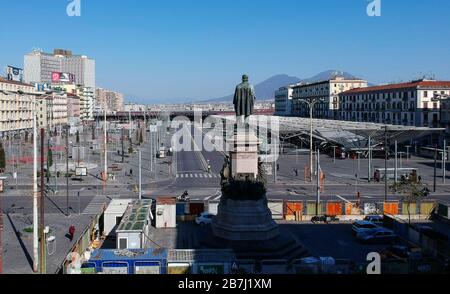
244,98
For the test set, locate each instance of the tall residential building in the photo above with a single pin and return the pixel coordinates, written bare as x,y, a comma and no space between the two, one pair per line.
410,104
39,67
327,92
283,101
86,95
16,111
109,100
44,113
59,109
73,108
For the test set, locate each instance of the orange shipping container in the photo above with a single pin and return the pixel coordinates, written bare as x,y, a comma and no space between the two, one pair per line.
290,208
391,208
334,208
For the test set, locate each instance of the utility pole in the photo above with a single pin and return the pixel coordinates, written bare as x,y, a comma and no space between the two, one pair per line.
67,171
444,160
318,182
140,174
369,172
435,168
396,162
311,106
123,151
105,150
385,163
35,195
42,203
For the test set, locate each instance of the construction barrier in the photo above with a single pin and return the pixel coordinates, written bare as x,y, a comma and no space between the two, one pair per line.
427,208
293,210
391,208
334,208
409,208
276,207
311,208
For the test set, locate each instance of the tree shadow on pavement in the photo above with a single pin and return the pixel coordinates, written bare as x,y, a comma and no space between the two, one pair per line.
22,245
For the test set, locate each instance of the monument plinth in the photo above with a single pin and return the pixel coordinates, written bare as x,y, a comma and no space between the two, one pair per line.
243,213
244,221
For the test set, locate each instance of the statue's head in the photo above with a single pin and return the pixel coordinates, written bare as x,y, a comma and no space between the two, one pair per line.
245,78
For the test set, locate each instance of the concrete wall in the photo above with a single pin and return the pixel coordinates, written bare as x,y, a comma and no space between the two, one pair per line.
134,239
166,216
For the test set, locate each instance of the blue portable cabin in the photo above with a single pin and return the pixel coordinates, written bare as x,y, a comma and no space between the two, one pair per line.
129,261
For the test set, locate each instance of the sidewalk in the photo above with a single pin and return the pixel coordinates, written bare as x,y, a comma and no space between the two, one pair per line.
18,245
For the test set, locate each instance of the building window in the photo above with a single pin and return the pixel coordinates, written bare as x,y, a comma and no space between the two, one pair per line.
425,94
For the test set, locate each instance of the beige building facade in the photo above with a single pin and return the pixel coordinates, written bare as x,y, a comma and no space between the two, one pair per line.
16,110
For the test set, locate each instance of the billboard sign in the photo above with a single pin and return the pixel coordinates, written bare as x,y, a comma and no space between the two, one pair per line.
81,172
63,77
14,74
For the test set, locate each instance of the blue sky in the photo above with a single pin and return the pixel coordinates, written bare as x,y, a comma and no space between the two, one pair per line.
155,50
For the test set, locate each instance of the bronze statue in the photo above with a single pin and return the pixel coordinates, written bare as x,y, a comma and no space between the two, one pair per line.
244,98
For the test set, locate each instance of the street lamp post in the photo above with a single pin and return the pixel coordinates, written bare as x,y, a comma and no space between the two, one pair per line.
385,163
318,182
311,102
334,154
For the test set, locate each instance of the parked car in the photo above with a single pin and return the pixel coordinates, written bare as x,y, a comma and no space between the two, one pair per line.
377,236
362,226
324,219
376,219
204,218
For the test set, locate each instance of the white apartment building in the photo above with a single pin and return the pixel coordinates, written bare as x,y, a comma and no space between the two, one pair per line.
16,111
44,113
39,66
409,104
112,101
283,101
327,92
87,98
59,109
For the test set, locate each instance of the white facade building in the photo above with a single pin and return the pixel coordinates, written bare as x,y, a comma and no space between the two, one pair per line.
409,104
328,91
39,66
16,111
283,101
112,101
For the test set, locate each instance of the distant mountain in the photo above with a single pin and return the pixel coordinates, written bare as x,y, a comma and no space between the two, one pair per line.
266,89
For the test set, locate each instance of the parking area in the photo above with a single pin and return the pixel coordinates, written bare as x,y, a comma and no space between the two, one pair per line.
331,240
326,240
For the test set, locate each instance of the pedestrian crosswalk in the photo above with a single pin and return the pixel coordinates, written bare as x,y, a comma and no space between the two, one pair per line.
208,198
95,206
198,176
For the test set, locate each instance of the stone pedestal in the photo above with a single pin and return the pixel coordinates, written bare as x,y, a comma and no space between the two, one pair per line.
243,214
244,220
244,154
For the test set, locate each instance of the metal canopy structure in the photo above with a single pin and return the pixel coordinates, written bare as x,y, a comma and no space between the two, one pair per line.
348,134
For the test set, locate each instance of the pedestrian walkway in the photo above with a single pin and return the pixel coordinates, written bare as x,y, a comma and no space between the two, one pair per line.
198,175
95,206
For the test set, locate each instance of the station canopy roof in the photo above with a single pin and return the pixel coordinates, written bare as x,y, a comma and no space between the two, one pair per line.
349,134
